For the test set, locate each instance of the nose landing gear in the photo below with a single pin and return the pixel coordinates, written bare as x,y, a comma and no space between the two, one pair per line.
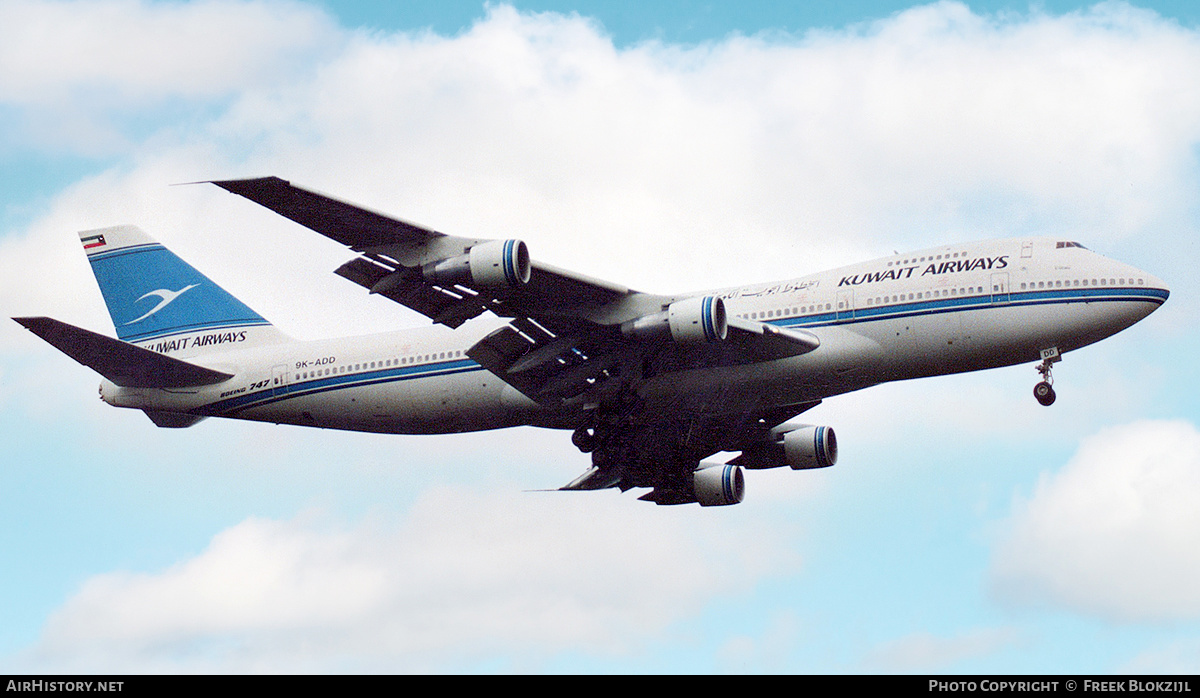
1044,391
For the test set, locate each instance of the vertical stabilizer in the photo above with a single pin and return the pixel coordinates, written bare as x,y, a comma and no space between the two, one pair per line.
160,302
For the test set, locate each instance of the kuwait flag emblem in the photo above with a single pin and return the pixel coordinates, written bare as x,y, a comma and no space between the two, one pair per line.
93,241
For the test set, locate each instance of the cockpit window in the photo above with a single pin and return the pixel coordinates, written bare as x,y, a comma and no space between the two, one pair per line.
1061,245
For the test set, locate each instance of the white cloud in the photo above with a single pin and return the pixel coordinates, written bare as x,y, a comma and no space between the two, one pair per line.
74,69
52,50
769,652
1181,656
461,575
1115,533
925,652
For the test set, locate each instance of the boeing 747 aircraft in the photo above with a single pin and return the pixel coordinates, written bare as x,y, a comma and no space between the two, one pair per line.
652,386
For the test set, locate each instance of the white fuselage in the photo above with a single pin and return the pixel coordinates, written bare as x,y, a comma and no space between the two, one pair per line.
955,308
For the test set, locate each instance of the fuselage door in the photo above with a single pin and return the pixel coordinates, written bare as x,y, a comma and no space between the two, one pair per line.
845,305
279,379
1000,287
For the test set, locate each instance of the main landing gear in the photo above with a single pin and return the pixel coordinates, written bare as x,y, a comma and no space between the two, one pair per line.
1044,391
585,438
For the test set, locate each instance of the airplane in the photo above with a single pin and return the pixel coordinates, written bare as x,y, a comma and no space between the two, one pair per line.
652,386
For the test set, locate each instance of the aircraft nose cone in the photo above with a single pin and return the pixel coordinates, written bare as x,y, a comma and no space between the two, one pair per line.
1162,286
1152,289
1156,284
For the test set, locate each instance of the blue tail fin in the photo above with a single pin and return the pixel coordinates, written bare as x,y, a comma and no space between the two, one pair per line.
160,302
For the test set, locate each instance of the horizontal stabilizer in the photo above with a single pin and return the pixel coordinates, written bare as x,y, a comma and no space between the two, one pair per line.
122,363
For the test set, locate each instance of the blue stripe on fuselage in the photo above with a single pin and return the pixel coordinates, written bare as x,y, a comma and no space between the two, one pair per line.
313,386
978,302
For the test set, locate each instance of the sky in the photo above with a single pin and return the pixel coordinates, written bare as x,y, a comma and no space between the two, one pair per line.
670,147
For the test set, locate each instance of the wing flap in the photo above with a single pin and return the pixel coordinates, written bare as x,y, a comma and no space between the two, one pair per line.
553,366
766,342
668,496
502,348
125,364
594,479
451,308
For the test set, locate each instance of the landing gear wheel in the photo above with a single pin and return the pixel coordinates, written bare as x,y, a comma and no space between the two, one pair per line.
1044,393
584,439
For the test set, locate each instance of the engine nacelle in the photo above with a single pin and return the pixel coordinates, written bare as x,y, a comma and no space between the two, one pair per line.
810,447
718,484
495,265
800,447
690,321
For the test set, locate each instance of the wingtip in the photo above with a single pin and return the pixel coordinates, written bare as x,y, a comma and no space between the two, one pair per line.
233,184
245,183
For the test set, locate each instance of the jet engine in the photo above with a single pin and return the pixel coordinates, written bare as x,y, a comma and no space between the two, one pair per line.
495,265
718,484
798,446
689,321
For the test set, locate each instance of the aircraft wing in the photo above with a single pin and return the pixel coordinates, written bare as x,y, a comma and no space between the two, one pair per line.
399,260
569,337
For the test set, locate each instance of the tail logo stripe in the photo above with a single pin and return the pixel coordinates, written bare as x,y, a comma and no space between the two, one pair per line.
167,296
